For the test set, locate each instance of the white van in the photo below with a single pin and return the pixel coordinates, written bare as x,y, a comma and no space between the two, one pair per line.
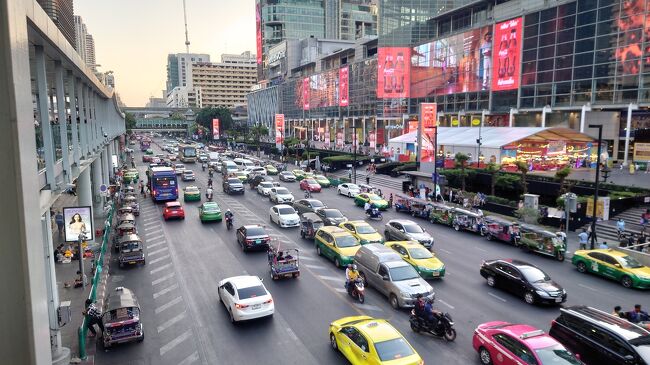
244,164
228,167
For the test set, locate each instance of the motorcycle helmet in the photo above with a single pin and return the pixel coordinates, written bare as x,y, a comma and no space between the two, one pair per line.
354,266
350,266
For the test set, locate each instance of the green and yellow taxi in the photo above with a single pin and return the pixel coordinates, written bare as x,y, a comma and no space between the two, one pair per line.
210,211
615,265
422,260
362,231
191,194
149,151
308,175
366,340
375,199
130,176
336,244
271,170
299,174
242,176
322,180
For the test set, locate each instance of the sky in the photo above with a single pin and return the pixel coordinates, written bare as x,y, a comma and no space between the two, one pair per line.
133,37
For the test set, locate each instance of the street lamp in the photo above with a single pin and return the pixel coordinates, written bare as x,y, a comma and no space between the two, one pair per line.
354,149
593,222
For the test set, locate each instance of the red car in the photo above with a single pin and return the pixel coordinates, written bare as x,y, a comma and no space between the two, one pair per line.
310,184
503,343
173,210
147,158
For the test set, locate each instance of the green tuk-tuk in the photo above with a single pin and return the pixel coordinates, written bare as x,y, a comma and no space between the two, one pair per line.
467,220
537,239
442,214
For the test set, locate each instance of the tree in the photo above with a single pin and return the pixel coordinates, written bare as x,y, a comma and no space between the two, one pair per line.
522,167
561,176
461,160
492,169
129,121
204,117
177,116
256,132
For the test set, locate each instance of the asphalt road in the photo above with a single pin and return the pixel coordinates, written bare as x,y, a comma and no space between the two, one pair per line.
185,323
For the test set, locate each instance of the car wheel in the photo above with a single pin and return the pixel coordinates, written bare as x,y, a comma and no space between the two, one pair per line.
349,195
393,301
456,227
491,281
559,256
333,343
484,355
626,281
318,250
529,297
232,318
337,263
387,235
581,267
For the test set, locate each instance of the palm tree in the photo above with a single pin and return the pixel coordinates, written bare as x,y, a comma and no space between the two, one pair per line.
561,176
522,166
461,160
492,169
256,132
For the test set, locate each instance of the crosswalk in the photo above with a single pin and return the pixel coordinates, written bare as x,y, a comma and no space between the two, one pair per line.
382,181
607,230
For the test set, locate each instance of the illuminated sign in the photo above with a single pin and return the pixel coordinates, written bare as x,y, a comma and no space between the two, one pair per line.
258,27
506,60
215,128
393,72
344,86
279,130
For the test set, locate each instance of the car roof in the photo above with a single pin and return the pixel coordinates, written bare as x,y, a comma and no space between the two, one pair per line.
407,244
207,204
249,226
516,263
621,326
172,204
402,221
610,252
333,229
378,330
282,206
358,222
532,336
244,281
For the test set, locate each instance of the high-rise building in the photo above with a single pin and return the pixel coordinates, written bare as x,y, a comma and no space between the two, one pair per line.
184,97
62,14
80,36
225,83
179,68
91,61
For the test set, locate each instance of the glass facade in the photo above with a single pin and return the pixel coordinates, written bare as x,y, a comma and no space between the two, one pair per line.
283,19
407,22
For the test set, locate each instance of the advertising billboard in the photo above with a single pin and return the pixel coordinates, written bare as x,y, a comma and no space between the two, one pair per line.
641,152
215,128
78,220
393,72
327,89
427,131
506,55
279,130
305,93
633,27
344,86
258,28
459,63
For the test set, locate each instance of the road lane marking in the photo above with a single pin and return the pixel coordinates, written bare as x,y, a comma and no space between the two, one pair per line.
341,290
159,259
154,230
447,304
165,291
155,252
151,223
168,305
160,280
171,322
156,244
160,268
497,297
313,266
330,278
587,287
175,342
291,334
308,258
445,251
368,307
190,359
480,249
155,238
150,218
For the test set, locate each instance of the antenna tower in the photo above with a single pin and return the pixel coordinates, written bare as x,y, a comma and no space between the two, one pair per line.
187,38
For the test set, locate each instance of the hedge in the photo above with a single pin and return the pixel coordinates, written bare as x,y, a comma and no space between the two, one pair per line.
345,158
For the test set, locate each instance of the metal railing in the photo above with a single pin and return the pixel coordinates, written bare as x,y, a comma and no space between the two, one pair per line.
99,265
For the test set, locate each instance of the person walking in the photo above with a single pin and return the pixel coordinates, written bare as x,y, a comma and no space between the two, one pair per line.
603,245
583,237
94,317
58,218
368,179
144,194
620,226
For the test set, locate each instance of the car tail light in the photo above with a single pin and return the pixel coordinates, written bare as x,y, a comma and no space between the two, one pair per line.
240,306
269,301
155,192
166,210
421,362
553,322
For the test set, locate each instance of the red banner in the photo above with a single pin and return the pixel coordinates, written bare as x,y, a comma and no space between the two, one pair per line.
428,114
305,93
506,57
339,138
393,72
344,86
258,26
215,128
279,130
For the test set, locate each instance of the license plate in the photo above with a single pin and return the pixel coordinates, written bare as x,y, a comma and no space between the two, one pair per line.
435,273
131,262
257,306
258,241
558,300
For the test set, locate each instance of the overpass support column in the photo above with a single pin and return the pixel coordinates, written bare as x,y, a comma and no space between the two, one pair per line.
74,122
63,120
84,188
83,120
44,116
97,179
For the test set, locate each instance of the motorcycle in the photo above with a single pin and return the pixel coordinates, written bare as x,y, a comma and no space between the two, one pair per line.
208,196
374,214
210,173
358,290
444,326
307,194
229,222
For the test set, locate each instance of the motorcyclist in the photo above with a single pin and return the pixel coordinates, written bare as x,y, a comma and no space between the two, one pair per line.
229,215
430,314
351,274
208,192
210,182
419,306
368,208
307,194
204,165
210,172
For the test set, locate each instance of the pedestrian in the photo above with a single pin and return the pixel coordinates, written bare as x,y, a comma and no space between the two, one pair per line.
144,194
350,174
94,317
637,315
603,245
368,179
58,218
618,312
390,200
620,226
583,237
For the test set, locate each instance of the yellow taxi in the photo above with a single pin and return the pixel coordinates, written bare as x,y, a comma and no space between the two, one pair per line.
362,231
366,340
242,176
422,260
336,244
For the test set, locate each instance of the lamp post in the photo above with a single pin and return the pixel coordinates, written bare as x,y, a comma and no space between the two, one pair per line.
594,218
354,151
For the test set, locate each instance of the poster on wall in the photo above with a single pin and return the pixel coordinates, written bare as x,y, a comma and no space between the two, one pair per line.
78,220
279,130
305,93
258,28
428,117
339,138
393,72
641,152
327,135
372,139
344,86
215,129
506,58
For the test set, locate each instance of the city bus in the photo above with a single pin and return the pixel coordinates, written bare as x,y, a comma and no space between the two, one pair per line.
145,143
187,154
163,183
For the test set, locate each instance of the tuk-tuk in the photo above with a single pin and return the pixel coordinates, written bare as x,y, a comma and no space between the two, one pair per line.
128,217
496,228
125,209
132,201
442,214
420,208
401,203
130,250
128,189
534,238
123,230
467,221
121,318
283,262
309,224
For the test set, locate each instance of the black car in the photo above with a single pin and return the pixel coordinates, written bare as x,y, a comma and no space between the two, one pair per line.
253,237
523,279
255,180
601,338
331,216
233,185
308,205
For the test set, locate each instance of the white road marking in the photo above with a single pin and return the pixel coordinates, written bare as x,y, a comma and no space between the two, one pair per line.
159,259
291,334
165,291
153,230
156,244
313,266
171,322
168,305
155,252
149,239
331,278
445,251
190,359
173,343
161,268
367,307
587,287
161,279
480,249
308,258
447,304
151,223
497,297
340,290
150,218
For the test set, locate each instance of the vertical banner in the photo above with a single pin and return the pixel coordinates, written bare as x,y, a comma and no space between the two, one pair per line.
327,134
215,129
372,139
279,130
344,86
78,220
426,153
339,138
305,93
393,72
258,28
506,58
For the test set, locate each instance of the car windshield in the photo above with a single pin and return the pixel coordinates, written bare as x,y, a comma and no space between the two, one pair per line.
129,246
255,231
533,274
320,177
316,204
332,213
353,187
394,349
266,185
211,208
365,229
311,181
234,181
285,211
374,197
251,292
413,228
420,253
556,355
346,241
191,190
629,262
403,273
179,166
282,191
188,172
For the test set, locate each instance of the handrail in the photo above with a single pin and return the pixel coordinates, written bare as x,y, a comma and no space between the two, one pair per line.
83,329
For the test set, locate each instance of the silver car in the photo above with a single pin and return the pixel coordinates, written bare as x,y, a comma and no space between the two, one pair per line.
407,230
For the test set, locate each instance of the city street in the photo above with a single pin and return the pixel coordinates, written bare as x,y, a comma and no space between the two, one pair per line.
185,323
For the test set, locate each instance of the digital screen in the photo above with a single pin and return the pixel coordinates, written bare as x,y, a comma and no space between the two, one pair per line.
323,90
632,24
506,58
344,86
279,130
258,27
393,71
215,128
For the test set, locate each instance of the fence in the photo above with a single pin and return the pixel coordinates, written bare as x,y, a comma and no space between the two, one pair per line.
99,267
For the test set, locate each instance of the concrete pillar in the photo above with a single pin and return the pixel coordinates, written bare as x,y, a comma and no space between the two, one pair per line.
97,179
63,120
84,188
83,125
44,116
628,128
87,121
106,160
583,116
72,94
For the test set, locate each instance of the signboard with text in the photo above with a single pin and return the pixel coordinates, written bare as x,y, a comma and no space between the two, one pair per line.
215,128
506,58
279,130
641,152
393,72
428,122
344,86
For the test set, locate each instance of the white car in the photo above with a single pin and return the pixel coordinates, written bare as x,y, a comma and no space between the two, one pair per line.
349,190
245,297
264,188
287,176
281,195
284,216
259,170
179,168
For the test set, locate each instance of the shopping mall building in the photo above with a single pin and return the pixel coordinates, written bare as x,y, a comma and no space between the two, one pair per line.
526,63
